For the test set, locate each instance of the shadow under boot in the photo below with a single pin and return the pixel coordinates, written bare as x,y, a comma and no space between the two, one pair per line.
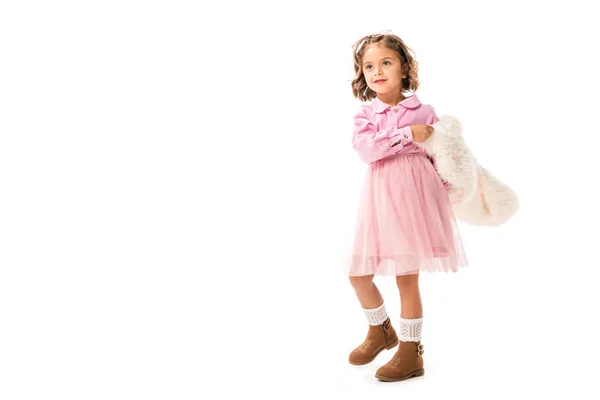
378,338
406,363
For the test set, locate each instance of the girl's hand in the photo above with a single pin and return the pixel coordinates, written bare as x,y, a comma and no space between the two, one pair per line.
421,132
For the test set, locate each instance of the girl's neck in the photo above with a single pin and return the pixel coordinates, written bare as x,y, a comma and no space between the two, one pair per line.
392,100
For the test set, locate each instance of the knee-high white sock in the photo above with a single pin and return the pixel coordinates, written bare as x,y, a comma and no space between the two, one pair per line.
410,329
376,316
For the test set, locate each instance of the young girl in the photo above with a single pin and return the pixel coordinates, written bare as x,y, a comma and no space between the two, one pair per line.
405,221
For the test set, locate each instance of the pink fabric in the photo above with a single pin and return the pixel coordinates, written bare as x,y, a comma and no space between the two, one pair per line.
405,221
378,126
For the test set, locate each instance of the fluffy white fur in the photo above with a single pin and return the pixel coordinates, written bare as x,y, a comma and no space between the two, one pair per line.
478,197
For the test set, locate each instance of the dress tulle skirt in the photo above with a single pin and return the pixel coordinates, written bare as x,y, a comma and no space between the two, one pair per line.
405,221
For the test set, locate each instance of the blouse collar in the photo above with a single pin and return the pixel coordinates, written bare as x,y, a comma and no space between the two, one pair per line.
409,102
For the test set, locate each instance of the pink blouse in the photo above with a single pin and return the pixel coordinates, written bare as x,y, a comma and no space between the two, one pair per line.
377,126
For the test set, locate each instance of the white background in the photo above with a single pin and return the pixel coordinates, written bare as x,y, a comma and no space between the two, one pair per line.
177,186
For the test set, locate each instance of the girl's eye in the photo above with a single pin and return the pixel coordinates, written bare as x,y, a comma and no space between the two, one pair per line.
367,67
386,62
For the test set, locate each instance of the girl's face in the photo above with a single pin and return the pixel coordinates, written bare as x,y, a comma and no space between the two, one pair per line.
382,69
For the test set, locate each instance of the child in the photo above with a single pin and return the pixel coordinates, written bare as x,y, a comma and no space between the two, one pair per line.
405,221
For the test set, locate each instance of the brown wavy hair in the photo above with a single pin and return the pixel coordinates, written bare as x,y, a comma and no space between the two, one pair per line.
410,66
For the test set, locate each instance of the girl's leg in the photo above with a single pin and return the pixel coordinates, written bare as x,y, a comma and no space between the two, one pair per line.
408,360
381,334
410,296
367,292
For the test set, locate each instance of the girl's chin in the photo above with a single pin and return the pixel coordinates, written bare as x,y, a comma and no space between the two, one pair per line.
379,91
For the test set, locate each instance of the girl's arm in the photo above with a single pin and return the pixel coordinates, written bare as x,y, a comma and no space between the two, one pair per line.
373,145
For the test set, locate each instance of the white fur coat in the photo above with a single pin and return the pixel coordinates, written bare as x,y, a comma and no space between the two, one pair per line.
478,197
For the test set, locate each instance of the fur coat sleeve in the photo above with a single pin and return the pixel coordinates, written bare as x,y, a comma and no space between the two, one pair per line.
477,196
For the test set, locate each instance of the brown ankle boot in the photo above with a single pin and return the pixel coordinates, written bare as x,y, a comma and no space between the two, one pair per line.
378,338
406,363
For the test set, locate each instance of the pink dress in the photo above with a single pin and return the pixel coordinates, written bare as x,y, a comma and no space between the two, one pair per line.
405,220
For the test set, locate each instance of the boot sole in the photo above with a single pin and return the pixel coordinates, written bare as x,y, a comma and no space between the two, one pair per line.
419,372
390,346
